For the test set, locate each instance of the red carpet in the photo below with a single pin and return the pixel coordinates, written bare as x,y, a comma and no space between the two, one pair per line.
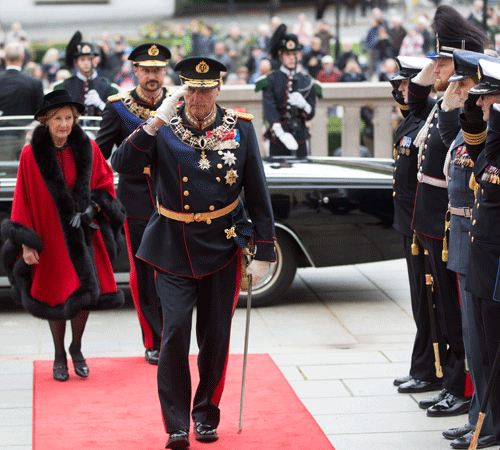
117,408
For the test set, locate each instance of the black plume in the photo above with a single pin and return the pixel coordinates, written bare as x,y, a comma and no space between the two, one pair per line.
71,49
449,24
276,40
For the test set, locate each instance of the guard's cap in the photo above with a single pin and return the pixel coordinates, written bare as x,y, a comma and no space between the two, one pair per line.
85,48
465,64
200,73
489,78
408,66
150,55
446,47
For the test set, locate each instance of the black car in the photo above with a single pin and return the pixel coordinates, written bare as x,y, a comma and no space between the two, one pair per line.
328,212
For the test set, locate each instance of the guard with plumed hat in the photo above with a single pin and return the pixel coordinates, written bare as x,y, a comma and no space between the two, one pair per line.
200,156
422,376
86,86
288,98
123,113
458,169
431,204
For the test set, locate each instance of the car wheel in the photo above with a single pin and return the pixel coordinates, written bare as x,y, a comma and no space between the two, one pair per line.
272,287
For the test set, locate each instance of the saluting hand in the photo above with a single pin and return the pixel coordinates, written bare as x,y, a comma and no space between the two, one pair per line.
167,109
451,99
427,76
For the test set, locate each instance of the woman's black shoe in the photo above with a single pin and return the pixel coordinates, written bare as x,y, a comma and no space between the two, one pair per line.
60,371
80,366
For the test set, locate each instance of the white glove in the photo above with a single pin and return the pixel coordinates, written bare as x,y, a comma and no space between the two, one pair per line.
257,269
92,99
496,106
167,109
298,100
451,100
427,76
286,138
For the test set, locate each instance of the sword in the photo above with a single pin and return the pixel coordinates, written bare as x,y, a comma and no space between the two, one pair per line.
487,394
429,282
245,352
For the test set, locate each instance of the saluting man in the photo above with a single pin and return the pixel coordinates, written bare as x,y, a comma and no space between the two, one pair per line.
422,376
123,113
201,156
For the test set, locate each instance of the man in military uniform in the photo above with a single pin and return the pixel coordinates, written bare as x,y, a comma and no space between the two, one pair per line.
201,156
422,376
86,86
289,98
458,169
431,205
123,113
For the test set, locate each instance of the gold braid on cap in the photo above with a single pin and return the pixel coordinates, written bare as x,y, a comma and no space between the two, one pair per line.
197,83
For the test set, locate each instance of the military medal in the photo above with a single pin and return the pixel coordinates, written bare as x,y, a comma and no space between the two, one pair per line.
229,158
204,163
231,176
230,232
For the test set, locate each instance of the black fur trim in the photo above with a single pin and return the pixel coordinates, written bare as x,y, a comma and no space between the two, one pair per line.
20,234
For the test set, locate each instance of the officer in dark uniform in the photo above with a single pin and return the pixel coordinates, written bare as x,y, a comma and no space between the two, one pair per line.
200,161
289,98
86,86
422,376
483,270
458,169
431,204
122,115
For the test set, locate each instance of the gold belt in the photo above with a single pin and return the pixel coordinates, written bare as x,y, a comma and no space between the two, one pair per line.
196,217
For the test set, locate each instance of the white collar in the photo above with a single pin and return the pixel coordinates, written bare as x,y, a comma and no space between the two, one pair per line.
286,71
11,66
84,78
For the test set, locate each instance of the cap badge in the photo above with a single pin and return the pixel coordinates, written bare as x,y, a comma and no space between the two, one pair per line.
153,51
290,45
202,67
479,73
86,49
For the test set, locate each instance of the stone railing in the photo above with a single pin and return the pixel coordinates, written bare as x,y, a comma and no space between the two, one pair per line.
351,96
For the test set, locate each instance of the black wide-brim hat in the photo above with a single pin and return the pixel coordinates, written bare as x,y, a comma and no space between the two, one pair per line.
58,99
465,64
150,55
200,73
489,78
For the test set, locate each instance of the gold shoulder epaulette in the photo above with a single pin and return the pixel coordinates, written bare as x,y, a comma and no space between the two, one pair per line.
115,98
244,116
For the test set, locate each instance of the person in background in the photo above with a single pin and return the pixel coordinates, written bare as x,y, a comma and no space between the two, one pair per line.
329,73
311,60
122,115
64,230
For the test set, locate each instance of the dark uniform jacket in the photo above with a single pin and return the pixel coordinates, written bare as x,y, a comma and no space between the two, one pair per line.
20,93
460,195
122,115
277,86
76,88
431,202
405,173
199,248
485,231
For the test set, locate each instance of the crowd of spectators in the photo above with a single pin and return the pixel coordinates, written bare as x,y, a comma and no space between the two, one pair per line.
246,52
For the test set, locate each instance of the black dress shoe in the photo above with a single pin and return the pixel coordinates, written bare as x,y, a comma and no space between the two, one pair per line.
178,439
399,381
80,366
60,371
455,433
152,356
205,433
415,386
428,402
482,442
451,405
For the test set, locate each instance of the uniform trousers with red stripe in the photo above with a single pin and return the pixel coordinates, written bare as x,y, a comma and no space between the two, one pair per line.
215,297
142,287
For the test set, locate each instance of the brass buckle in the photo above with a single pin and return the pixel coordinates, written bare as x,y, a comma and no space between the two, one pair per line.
198,217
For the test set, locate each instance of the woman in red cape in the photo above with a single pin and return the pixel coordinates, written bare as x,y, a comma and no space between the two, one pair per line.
65,228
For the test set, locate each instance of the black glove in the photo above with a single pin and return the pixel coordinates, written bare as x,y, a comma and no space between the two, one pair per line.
398,96
85,217
473,113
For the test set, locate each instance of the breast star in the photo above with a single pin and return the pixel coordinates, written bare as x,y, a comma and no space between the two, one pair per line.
231,176
204,164
229,158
